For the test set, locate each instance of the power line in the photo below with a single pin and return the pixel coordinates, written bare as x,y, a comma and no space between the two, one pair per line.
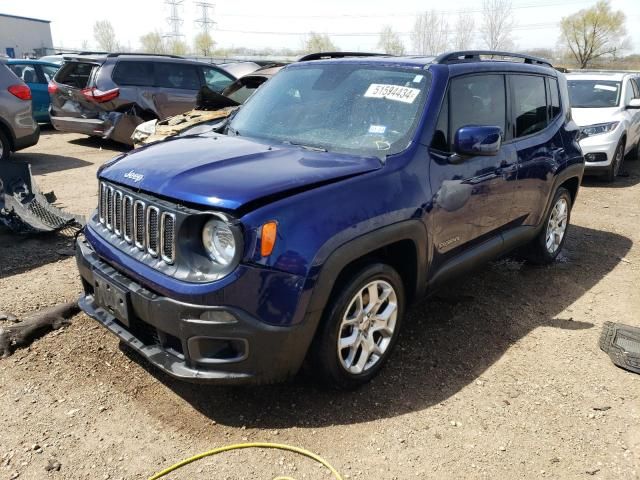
404,14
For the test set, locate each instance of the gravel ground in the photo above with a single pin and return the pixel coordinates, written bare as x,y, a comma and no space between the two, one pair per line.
497,376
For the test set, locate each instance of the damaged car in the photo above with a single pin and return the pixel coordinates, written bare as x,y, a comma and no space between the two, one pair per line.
210,111
109,95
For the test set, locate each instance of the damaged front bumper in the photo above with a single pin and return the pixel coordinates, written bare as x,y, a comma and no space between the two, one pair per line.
199,343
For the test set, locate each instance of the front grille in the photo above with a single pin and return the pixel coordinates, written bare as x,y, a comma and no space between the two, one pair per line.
147,227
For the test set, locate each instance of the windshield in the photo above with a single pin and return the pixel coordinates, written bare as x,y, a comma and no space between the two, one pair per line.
594,93
347,108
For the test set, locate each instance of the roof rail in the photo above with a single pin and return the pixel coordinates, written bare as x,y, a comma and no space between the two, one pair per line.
138,54
474,56
324,55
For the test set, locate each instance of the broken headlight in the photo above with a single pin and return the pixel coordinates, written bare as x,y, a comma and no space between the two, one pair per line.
143,131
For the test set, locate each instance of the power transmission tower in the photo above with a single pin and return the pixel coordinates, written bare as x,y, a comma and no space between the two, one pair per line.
174,19
206,18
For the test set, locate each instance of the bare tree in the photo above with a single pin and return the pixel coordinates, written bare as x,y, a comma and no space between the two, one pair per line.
390,42
497,24
430,33
594,32
463,38
153,42
319,42
203,44
105,36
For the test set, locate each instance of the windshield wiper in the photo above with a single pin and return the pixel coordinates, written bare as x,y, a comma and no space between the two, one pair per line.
306,147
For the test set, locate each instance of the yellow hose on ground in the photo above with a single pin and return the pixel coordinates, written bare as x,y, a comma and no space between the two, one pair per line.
240,446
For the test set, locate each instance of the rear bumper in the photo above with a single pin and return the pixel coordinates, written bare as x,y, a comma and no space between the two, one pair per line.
86,126
198,343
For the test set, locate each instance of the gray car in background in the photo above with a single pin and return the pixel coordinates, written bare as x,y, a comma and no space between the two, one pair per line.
18,130
109,95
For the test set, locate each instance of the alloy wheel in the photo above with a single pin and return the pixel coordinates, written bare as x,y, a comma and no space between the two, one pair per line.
557,225
367,327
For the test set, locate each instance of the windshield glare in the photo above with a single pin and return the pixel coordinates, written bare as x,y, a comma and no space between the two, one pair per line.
594,93
347,108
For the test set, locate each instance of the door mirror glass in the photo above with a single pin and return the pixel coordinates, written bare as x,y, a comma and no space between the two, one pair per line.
635,103
478,140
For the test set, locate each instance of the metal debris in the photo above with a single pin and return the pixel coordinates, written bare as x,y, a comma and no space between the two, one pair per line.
23,208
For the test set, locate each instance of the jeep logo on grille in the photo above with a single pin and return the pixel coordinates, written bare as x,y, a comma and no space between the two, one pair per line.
136,177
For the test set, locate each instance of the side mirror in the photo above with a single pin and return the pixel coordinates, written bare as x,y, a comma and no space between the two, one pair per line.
635,103
477,140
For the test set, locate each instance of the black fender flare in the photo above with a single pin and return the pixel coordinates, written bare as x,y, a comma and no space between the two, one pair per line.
6,128
413,230
574,170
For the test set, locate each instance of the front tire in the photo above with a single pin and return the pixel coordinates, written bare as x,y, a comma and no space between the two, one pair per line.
616,163
360,327
546,246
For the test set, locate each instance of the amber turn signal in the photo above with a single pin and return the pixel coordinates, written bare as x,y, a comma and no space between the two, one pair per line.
268,238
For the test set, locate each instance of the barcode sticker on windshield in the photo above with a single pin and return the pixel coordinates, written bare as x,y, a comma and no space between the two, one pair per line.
392,92
606,87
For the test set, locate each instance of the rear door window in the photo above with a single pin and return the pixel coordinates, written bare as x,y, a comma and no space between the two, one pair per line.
27,73
529,100
75,74
215,79
134,73
177,75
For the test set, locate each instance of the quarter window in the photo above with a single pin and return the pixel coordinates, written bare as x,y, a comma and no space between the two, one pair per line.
554,100
529,104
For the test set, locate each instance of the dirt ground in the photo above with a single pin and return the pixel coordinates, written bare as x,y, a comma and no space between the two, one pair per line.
497,376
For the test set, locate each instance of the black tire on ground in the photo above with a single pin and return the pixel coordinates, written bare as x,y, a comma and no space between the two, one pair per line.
616,163
327,360
635,152
537,252
5,146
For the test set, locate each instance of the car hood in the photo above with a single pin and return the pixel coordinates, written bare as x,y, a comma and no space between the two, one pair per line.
228,172
593,116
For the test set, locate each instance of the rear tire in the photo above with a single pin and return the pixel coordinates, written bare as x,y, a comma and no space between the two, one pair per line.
616,163
359,328
546,246
5,146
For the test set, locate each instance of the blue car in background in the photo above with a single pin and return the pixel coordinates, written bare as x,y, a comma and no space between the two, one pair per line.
36,74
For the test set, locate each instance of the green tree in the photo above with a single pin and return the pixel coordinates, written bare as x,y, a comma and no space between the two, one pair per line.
177,46
319,42
105,36
593,33
153,42
390,42
203,44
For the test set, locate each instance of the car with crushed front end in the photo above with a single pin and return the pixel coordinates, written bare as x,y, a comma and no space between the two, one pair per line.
344,189
606,107
18,130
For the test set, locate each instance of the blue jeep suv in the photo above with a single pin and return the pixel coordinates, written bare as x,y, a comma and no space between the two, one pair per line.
341,191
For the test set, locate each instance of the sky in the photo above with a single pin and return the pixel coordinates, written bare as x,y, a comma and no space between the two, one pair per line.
351,24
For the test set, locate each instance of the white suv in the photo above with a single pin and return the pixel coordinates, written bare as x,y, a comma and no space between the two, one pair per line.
606,106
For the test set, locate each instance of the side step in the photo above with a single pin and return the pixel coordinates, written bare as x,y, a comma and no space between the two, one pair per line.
622,344
23,208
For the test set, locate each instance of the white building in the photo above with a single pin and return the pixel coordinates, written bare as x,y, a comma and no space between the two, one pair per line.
24,37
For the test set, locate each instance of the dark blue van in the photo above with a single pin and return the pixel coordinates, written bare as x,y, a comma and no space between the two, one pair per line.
341,191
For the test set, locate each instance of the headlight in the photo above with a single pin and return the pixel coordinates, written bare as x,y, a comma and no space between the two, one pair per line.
219,242
599,129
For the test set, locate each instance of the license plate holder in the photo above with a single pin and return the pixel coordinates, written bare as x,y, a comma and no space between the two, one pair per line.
111,297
